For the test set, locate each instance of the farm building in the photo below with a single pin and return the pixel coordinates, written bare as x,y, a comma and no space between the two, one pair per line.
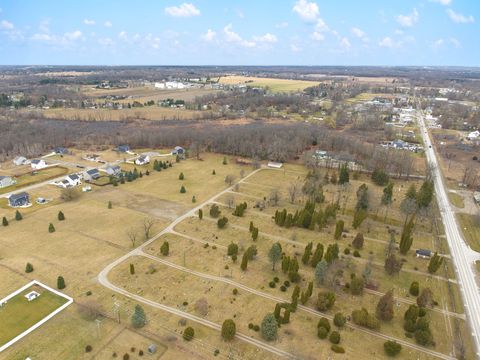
20,160
20,199
38,164
90,175
6,181
142,160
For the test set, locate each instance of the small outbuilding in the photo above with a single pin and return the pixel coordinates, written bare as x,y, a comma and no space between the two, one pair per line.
423,253
6,181
178,150
152,349
275,165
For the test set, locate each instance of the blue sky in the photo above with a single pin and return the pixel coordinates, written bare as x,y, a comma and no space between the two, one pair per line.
240,32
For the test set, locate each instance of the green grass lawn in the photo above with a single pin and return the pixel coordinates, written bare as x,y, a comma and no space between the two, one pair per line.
456,200
471,230
19,314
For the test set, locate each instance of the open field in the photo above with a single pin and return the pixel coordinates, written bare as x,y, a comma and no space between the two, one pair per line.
456,200
471,229
275,85
19,314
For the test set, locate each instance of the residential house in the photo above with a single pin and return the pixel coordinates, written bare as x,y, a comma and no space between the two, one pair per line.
6,181
18,200
38,164
20,160
73,179
91,175
473,135
113,170
123,148
142,160
59,150
178,151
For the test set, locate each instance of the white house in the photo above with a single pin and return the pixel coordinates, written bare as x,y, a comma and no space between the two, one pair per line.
6,181
70,181
473,135
38,164
142,160
20,160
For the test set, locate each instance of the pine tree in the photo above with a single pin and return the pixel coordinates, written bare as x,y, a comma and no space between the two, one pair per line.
392,265
183,190
385,307
28,268
285,263
165,248
414,288
139,319
244,263
51,228
194,199
224,162
357,243
213,172
61,283
132,269
181,176
356,285
339,229
4,221
189,333
406,239
321,272
275,254
269,327
344,176
295,295
332,253
293,271
255,234
200,214
307,253
61,216
228,329
18,216
317,255
232,249
358,217
435,263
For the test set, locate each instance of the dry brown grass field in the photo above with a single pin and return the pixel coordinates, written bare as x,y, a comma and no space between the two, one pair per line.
275,85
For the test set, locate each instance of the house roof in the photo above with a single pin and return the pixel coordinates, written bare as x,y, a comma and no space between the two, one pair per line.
92,171
423,252
123,147
36,161
4,177
20,158
73,176
18,196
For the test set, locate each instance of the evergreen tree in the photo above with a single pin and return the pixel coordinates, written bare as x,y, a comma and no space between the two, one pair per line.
339,319
255,234
356,285
406,239
222,222
339,229
181,176
61,283
224,162
250,228
183,190
317,255
285,263
232,249
275,254
214,211
132,269
307,253
332,253
358,217
387,194
380,177
200,214
189,333
344,176
392,348
18,216
109,205
213,172
139,319
385,307
357,243
165,248
362,198
392,265
28,268
325,300
228,329
61,216
244,263
425,194
4,221
435,263
194,199
293,271
269,327
414,288
321,272
51,228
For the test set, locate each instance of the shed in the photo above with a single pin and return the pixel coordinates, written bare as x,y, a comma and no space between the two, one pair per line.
152,349
423,253
275,165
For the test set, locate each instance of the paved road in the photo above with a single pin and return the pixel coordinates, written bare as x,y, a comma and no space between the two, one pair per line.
462,254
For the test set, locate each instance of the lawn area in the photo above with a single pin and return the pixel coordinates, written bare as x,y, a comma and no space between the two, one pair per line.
275,85
36,177
456,200
471,230
19,314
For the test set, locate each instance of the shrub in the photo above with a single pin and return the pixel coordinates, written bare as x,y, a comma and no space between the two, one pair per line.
194,199
61,283
213,172
4,221
414,288
139,319
188,334
276,279
322,333
51,228
337,349
363,318
269,327
132,269
165,248
88,348
323,322
28,268
222,222
286,283
346,251
272,284
228,329
250,326
256,328
126,356
356,253
334,337
183,190
109,205
283,288
339,319
181,176
392,348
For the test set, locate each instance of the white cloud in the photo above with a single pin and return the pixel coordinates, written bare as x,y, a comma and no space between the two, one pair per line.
209,35
75,35
122,35
267,38
106,41
408,20
440,43
345,43
184,10
308,11
58,40
282,25
88,22
443,2
233,37
360,34
318,36
44,26
386,42
108,24
459,18
295,48
6,25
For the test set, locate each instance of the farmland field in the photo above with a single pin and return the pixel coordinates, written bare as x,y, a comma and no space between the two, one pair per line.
275,85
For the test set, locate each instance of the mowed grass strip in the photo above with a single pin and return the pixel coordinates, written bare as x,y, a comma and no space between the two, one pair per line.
471,230
19,314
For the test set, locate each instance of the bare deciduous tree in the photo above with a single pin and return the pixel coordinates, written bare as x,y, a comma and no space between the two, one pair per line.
274,197
293,191
230,201
229,179
132,236
147,226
